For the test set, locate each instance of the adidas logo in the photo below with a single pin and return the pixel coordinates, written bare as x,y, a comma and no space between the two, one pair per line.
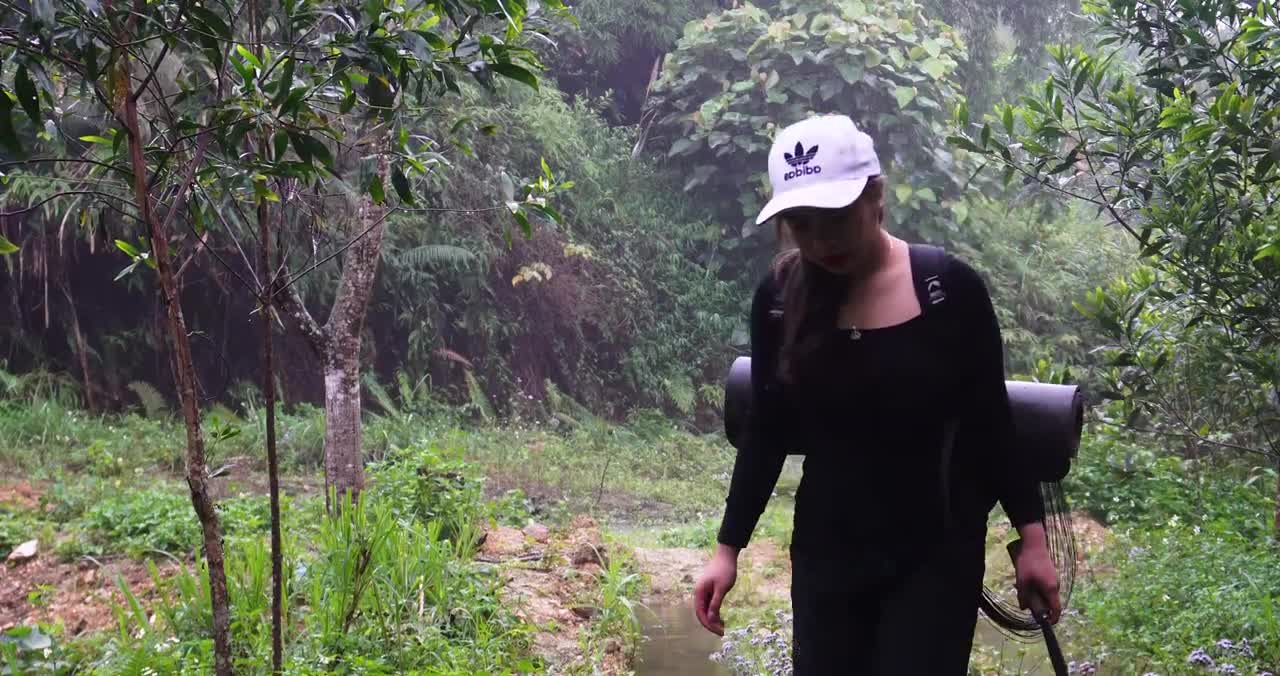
800,162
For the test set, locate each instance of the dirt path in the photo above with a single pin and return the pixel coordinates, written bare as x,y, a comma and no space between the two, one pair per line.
552,579
764,573
78,595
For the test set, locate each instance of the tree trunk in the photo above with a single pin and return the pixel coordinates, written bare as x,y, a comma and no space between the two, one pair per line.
343,464
338,343
273,463
183,368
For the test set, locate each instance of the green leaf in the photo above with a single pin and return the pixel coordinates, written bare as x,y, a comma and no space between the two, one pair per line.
8,136
961,211
284,84
316,149
902,192
680,147
96,139
376,191
300,146
514,72
1199,132
851,71
523,220
401,184
904,95
927,194
934,67
127,248
125,271
281,144
1008,120
27,95
7,247
963,142
249,57
211,21
549,212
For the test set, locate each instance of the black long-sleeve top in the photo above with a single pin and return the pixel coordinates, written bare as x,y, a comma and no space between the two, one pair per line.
869,417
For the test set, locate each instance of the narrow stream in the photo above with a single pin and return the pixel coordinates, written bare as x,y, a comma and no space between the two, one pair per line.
676,644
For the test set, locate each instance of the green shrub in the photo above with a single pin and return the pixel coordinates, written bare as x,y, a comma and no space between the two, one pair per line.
136,522
425,485
1127,485
1175,590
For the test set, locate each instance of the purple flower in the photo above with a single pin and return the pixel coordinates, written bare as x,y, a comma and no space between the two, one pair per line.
1226,644
1228,669
1200,658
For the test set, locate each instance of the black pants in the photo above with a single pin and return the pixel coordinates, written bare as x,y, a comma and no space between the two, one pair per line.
865,614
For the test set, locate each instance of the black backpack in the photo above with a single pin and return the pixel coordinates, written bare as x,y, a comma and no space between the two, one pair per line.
1047,421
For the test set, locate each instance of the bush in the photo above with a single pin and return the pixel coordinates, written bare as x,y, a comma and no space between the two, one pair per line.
1127,485
1179,594
422,485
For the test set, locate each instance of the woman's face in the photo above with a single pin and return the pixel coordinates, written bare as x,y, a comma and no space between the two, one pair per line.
839,240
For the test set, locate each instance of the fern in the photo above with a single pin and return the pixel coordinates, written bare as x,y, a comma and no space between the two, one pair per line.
10,384
566,407
682,393
223,414
380,395
434,254
153,403
712,396
478,399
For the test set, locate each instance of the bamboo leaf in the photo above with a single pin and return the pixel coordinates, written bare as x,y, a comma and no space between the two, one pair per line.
8,136
401,184
27,94
7,247
127,248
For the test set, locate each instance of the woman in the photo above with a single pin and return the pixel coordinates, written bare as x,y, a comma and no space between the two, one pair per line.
889,540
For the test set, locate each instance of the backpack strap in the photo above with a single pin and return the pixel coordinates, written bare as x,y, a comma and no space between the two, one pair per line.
928,268
928,264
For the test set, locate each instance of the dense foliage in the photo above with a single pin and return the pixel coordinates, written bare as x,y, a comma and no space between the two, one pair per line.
1181,155
739,75
1134,249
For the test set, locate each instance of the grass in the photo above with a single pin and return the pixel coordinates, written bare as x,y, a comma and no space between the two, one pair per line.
110,487
1189,561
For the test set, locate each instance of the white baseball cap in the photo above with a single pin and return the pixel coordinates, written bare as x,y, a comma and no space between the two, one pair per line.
823,161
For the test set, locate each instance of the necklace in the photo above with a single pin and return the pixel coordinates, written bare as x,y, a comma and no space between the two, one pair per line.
854,333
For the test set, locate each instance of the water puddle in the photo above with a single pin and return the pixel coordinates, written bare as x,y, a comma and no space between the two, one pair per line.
676,644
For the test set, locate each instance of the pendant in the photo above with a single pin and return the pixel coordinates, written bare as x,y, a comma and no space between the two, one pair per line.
855,334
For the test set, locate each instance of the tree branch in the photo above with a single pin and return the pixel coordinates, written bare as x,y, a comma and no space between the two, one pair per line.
51,198
69,160
335,254
288,300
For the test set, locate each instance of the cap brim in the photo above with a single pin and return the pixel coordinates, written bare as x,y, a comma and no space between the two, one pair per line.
828,195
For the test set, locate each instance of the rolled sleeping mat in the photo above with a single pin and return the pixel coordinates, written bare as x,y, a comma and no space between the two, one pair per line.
1047,418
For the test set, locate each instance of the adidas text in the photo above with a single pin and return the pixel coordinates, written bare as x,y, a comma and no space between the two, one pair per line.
805,171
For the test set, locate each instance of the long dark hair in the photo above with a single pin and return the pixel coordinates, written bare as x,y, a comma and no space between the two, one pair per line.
811,296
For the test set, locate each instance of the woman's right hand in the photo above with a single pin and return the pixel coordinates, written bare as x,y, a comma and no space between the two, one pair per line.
717,579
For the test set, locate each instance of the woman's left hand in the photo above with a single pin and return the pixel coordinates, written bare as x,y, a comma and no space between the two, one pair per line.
1037,578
